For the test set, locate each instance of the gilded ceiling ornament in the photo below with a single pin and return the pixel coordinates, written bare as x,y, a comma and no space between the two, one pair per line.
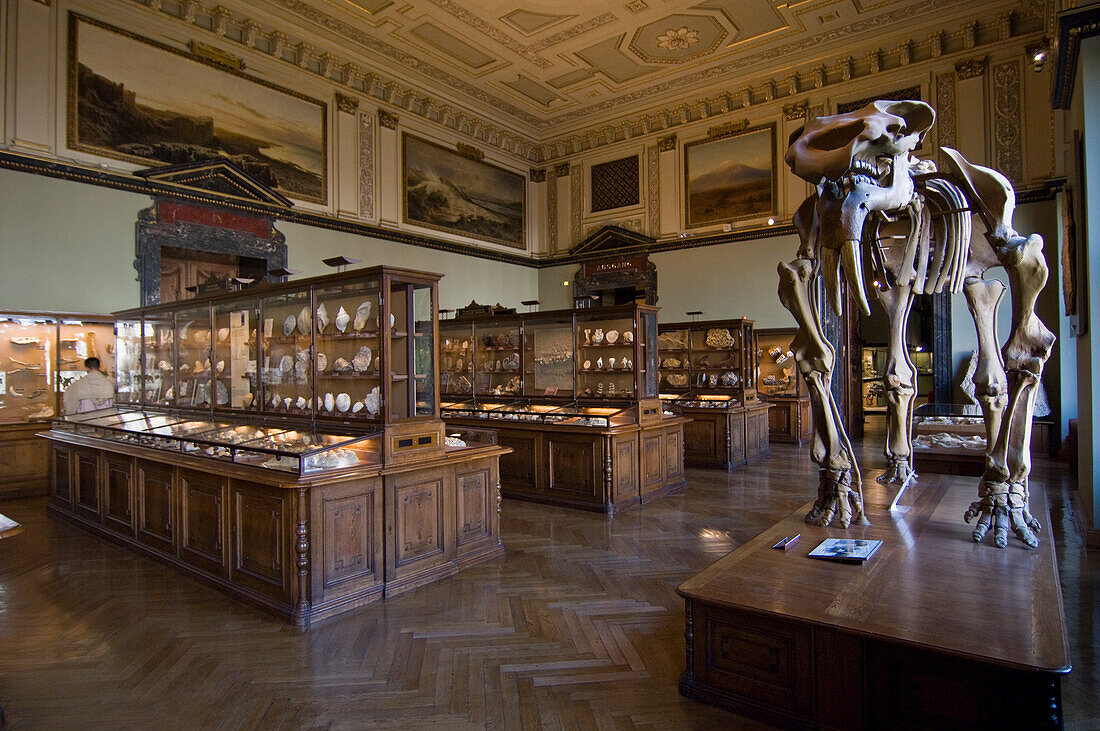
678,39
971,69
796,111
560,171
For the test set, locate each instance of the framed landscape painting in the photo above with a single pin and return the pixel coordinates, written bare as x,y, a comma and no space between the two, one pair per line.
447,191
730,178
134,99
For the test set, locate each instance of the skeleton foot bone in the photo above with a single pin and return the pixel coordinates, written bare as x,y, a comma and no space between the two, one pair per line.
837,501
1003,505
898,472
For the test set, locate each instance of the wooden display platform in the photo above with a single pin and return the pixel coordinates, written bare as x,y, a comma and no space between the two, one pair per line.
934,631
726,438
302,549
9,527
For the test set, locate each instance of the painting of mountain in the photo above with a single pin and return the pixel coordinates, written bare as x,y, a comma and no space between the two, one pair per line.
135,99
731,178
447,191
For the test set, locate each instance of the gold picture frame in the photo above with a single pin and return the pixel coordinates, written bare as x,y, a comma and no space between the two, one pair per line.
730,177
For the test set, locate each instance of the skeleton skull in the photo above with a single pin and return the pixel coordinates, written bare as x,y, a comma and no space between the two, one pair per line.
860,163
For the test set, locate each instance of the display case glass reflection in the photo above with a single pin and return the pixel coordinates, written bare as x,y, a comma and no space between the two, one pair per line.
497,358
27,388
286,363
234,372
549,352
777,369
348,353
194,368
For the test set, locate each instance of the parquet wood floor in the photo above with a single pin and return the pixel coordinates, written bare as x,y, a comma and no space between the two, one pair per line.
577,627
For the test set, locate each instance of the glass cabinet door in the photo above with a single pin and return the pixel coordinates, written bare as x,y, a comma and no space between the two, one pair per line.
128,339
26,372
548,351
717,357
606,355
456,366
286,341
497,359
236,385
194,383
411,332
162,367
648,374
348,353
673,358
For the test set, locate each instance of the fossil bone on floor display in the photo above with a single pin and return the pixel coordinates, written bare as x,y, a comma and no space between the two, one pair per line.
877,207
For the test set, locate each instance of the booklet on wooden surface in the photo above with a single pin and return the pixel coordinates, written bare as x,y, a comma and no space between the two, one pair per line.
847,550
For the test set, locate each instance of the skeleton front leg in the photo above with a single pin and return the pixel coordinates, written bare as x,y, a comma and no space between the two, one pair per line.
898,381
840,493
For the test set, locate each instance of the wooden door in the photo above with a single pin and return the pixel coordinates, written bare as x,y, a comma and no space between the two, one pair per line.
183,268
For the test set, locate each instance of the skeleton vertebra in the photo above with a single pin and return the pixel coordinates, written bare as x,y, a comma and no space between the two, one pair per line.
866,180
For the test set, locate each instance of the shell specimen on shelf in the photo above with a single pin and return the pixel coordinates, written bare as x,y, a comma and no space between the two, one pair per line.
343,402
168,394
597,336
612,337
286,364
330,402
286,402
221,393
361,361
322,361
357,407
301,403
223,333
362,314
162,365
246,400
341,365
628,338
305,320
320,403
322,318
342,319
289,324
599,364
219,366
275,401
373,401
587,365
611,363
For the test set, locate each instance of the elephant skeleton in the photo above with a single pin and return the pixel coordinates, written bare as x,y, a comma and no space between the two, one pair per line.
879,208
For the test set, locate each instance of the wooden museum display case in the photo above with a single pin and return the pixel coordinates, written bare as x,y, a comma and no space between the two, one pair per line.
780,384
573,393
41,353
708,373
283,443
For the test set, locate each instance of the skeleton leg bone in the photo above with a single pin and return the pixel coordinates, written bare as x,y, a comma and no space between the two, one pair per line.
898,380
840,491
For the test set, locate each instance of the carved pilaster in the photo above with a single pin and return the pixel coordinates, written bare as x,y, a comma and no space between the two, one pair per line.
945,110
387,120
576,190
609,486
666,144
552,213
301,548
537,175
796,111
1007,133
689,637
561,170
366,166
653,192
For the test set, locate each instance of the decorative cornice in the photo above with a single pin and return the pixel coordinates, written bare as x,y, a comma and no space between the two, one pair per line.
796,111
469,151
215,56
346,104
666,143
971,69
537,175
386,119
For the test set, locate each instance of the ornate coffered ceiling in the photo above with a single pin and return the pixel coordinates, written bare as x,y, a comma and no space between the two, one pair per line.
543,72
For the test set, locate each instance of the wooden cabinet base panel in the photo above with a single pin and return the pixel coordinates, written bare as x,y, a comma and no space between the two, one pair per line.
25,458
303,550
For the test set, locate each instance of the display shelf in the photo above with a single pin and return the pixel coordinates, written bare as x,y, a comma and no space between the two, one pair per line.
780,383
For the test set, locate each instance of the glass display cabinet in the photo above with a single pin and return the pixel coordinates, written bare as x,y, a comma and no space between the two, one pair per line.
284,443
781,384
873,391
708,373
571,392
41,353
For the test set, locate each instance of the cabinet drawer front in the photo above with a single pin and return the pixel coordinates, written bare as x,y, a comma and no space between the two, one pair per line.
118,494
203,534
156,522
260,539
419,520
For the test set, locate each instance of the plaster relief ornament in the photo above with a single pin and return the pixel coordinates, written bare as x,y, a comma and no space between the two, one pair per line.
343,402
362,315
289,324
305,321
330,402
361,361
322,318
342,319
678,39
597,337
612,337
869,190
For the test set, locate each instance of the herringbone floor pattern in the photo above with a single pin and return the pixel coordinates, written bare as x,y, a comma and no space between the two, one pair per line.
578,627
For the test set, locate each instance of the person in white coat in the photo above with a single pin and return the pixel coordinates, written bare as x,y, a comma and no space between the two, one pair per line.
89,392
